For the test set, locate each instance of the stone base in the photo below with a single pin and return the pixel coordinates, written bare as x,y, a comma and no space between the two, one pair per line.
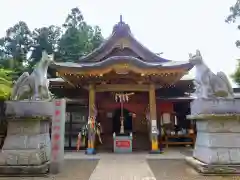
218,141
29,108
218,106
24,170
155,152
213,169
90,151
27,143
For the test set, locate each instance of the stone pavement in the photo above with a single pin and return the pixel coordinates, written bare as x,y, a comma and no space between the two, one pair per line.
122,167
132,166
136,166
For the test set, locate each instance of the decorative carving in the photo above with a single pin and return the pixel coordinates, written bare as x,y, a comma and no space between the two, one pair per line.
34,86
209,85
121,69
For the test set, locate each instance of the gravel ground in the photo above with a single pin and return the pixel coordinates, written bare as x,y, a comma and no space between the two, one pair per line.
73,170
179,170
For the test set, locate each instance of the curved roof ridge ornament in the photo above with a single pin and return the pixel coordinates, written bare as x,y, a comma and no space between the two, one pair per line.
121,19
121,27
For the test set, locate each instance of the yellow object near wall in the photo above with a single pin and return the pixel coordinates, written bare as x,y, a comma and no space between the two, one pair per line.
154,144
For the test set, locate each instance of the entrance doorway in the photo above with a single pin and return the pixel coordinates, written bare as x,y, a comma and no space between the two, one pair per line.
116,123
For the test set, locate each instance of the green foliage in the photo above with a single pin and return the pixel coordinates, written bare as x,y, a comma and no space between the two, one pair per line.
45,38
68,43
236,74
79,38
5,83
234,14
16,43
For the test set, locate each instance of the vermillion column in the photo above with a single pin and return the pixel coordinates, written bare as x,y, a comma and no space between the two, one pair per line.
91,120
153,116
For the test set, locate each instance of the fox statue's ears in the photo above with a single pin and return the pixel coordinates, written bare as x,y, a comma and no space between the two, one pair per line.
198,53
190,55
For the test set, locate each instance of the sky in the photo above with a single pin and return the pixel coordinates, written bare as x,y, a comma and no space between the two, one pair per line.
174,27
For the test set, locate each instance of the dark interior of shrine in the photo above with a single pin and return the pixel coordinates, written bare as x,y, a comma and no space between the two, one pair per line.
117,123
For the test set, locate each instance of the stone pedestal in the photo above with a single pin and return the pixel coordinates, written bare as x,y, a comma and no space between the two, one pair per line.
122,143
27,146
217,147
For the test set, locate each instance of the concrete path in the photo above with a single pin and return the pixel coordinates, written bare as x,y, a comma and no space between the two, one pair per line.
122,167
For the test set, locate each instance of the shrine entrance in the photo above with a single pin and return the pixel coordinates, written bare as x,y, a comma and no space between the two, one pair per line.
116,122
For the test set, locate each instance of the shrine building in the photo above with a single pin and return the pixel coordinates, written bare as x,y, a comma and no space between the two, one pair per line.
121,64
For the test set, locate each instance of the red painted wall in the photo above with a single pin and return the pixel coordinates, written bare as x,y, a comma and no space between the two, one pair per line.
136,105
132,107
164,107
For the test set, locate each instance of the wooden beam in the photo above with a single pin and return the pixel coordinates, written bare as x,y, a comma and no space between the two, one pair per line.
116,68
65,79
121,87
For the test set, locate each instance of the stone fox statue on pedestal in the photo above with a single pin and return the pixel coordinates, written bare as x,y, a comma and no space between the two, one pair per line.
34,86
209,85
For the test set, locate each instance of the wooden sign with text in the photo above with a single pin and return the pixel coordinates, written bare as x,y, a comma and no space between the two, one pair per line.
123,143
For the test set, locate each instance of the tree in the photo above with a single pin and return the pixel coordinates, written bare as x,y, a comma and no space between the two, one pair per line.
14,48
79,38
45,38
234,14
17,42
236,75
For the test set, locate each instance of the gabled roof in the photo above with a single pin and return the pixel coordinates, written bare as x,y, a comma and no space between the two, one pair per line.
120,31
122,39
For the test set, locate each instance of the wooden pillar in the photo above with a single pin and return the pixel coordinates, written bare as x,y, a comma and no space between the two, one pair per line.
91,121
91,103
153,117
152,102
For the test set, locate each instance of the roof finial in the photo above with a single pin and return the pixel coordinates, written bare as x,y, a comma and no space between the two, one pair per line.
121,19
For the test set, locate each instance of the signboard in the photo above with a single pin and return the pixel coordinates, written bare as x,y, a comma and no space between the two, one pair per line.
57,137
154,130
154,123
79,117
123,143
